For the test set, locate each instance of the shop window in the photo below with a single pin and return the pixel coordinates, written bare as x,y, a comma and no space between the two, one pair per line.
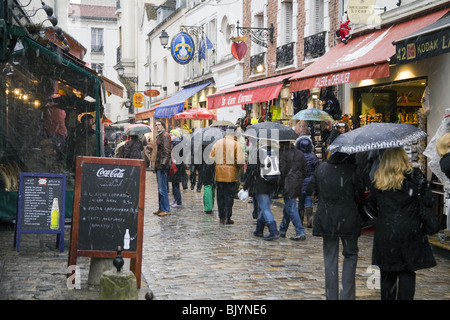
396,102
392,102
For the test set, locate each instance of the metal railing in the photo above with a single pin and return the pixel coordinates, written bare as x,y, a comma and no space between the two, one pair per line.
314,46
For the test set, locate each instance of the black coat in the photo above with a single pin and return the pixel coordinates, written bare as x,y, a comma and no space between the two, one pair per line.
181,166
293,170
444,163
399,243
338,187
255,184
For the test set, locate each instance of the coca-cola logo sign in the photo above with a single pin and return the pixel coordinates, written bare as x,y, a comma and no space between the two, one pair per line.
114,173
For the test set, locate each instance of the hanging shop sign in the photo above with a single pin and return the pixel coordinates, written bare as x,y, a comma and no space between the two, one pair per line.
423,46
363,12
152,93
182,48
138,100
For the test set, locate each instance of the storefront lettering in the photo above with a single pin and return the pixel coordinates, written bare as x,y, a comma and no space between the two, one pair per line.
233,100
332,80
427,46
445,43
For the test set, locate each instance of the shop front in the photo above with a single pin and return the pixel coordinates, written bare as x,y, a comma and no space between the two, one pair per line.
262,100
373,87
182,100
377,85
50,112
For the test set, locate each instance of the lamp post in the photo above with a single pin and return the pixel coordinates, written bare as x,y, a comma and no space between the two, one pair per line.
149,67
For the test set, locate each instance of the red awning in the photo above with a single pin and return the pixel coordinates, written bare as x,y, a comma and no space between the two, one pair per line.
364,57
253,92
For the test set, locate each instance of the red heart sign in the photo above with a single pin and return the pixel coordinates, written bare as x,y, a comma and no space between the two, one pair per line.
238,50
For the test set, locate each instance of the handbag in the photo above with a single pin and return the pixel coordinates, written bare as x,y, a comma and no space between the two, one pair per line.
430,224
173,169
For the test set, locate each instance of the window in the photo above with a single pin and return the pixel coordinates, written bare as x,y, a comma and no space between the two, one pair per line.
96,40
286,22
212,36
258,23
97,67
317,16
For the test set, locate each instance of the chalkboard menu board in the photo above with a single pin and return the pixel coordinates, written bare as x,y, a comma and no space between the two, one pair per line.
108,209
41,205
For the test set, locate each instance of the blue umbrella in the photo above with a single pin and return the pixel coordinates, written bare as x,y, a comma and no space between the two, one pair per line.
312,114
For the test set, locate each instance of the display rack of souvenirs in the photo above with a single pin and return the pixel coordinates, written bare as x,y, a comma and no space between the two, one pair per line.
316,136
365,119
408,117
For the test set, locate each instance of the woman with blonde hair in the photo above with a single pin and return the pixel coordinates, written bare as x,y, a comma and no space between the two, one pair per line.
400,247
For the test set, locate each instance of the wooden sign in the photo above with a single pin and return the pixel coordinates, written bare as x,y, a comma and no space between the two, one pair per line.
41,206
108,210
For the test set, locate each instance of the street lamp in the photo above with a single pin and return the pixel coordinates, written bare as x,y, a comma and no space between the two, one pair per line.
164,38
121,72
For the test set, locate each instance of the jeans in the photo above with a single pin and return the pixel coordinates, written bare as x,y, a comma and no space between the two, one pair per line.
290,213
163,193
264,212
331,255
304,201
176,192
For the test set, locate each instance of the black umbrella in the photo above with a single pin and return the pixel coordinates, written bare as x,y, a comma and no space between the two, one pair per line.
271,131
376,136
207,135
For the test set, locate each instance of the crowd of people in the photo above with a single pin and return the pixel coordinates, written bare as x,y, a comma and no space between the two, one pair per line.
232,163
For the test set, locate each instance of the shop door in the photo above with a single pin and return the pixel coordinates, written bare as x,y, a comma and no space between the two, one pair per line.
376,105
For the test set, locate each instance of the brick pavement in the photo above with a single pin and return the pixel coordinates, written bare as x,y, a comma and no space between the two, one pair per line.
189,255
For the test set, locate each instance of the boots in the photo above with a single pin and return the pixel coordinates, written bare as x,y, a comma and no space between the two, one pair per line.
259,232
309,216
301,213
273,232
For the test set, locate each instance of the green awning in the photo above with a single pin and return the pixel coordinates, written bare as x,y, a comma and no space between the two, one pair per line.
44,63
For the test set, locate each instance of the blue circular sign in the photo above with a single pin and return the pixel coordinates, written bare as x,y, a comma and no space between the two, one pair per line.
182,48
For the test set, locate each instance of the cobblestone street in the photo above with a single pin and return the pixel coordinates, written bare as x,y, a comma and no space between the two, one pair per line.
188,255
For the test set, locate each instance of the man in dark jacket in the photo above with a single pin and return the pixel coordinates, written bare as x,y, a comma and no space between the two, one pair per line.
338,187
162,163
132,149
293,171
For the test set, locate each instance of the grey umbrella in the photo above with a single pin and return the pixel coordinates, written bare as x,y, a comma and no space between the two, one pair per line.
207,135
376,136
271,131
